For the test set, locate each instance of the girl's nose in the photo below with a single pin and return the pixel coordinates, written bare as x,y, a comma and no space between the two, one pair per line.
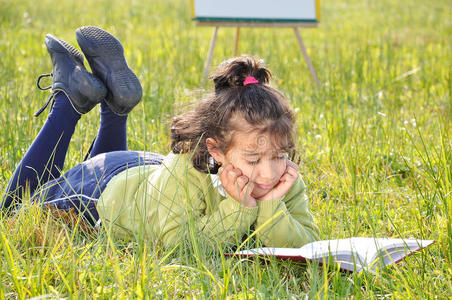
266,172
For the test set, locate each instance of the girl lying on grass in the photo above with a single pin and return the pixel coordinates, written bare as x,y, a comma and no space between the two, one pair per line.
227,174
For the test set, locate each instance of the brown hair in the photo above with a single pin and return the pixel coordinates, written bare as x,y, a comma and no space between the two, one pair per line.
264,109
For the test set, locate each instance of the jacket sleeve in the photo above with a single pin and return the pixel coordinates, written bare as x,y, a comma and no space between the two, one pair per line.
287,221
179,202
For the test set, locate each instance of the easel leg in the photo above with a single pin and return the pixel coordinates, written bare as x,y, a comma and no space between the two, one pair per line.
237,37
209,56
306,57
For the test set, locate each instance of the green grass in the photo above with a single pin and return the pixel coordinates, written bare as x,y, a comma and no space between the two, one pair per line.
375,141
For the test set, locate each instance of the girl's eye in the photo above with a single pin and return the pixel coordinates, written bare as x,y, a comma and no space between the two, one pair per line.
254,162
282,156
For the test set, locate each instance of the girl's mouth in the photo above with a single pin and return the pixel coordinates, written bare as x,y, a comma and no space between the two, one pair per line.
264,186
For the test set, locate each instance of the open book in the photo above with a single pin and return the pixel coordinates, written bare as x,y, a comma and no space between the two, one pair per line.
353,254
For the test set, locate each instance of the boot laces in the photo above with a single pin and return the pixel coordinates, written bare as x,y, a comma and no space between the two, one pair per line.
51,97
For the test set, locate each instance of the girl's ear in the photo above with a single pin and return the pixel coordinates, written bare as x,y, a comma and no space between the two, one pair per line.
214,150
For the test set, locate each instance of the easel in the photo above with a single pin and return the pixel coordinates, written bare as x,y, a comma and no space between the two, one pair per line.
238,25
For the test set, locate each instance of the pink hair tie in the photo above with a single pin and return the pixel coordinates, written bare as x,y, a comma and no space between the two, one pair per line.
250,80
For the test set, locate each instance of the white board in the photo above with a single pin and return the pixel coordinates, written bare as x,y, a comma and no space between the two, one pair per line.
256,10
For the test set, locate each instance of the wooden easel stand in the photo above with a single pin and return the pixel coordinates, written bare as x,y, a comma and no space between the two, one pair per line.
255,24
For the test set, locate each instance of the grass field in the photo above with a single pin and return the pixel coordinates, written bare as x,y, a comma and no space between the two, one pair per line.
375,140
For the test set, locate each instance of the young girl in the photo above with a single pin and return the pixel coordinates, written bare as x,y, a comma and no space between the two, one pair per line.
228,172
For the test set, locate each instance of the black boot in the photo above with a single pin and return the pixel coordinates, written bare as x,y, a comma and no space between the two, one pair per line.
105,55
69,76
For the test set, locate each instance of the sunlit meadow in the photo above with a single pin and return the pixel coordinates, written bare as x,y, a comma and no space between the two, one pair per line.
375,141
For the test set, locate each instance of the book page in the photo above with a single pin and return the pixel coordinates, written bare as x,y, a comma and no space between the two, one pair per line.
363,251
353,254
393,250
321,249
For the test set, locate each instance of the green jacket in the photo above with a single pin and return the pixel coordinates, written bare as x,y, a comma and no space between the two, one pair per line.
160,201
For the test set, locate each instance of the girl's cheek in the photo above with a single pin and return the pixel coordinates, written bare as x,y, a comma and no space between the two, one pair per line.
282,168
248,172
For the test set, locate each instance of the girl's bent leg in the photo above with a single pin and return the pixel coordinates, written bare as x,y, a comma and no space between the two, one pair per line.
112,134
44,159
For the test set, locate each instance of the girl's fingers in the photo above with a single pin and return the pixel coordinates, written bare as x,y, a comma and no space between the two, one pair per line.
225,168
246,190
289,177
292,164
229,173
242,181
233,180
237,185
285,178
233,173
292,171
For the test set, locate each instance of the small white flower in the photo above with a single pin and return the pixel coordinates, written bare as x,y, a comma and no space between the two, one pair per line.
380,95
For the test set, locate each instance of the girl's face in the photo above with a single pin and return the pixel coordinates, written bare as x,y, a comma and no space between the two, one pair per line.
256,157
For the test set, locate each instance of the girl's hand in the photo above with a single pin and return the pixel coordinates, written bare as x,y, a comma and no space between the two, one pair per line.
237,185
286,181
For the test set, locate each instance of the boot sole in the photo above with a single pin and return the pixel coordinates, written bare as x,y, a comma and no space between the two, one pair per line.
58,45
105,55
